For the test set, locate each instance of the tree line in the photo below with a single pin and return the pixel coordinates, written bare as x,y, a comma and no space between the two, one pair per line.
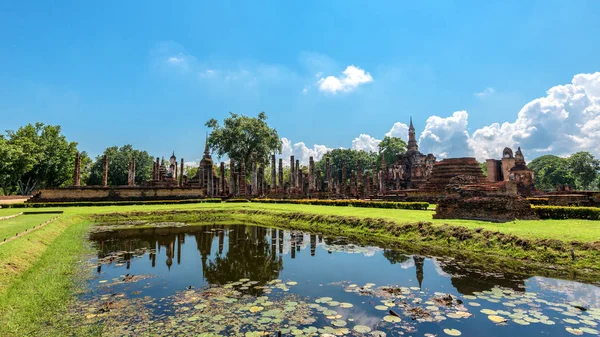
39,156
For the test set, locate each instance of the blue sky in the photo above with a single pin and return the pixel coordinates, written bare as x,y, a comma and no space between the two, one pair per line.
151,73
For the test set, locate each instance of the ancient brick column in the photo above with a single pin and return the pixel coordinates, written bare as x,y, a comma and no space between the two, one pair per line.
359,179
311,175
130,173
328,175
318,181
344,178
382,176
222,178
298,174
367,185
77,170
281,186
158,177
105,171
273,177
232,178
353,184
210,182
242,179
182,170
374,179
254,181
292,175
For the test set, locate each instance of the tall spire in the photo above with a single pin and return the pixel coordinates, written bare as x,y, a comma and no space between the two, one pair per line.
206,151
412,140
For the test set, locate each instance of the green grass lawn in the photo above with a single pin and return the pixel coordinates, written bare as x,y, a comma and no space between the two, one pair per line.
10,227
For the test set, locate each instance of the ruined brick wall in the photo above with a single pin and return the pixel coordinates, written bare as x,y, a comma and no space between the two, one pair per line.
98,193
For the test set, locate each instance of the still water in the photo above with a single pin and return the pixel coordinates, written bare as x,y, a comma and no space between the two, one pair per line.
253,281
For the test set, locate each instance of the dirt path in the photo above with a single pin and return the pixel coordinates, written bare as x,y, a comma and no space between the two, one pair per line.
10,216
28,231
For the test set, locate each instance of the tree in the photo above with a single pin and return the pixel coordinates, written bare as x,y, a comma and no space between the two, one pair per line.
241,136
584,168
550,171
483,167
351,157
118,166
39,156
391,148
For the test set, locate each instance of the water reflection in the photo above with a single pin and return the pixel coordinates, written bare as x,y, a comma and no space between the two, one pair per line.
229,253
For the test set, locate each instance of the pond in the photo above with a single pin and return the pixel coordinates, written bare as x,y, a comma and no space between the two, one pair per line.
239,280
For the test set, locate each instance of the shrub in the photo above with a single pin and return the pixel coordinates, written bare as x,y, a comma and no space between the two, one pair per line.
237,200
567,212
353,203
538,201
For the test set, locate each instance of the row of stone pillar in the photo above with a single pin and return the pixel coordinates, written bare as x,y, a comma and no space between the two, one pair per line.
77,171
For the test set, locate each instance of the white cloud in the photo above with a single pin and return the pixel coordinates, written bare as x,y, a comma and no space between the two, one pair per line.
301,152
366,143
565,121
446,136
305,91
399,130
351,78
486,92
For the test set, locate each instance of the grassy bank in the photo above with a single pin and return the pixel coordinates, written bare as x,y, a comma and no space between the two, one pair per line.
38,277
11,227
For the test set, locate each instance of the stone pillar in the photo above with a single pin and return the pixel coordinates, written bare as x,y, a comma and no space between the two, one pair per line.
130,177
353,184
273,177
158,177
367,185
77,170
260,180
181,173
298,175
359,180
232,178
281,185
242,179
492,172
311,175
210,181
319,182
222,178
382,176
292,175
105,171
254,181
373,179
328,175
344,178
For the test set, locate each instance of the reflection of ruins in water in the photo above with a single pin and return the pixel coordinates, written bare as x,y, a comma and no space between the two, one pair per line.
230,253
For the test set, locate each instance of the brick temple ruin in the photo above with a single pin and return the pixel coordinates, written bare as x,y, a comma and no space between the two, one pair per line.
414,176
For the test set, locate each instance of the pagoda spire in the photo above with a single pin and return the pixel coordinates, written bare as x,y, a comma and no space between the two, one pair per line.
412,140
206,150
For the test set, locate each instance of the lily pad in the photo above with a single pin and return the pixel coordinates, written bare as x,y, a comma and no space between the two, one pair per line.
362,329
392,319
496,319
452,332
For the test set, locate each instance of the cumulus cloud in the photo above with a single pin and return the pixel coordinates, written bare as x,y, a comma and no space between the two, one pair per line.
566,120
301,152
399,130
350,79
446,136
366,143
485,93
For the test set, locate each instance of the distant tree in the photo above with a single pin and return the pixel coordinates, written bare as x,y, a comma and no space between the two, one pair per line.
550,171
190,171
351,157
584,168
37,156
118,166
241,136
395,256
391,148
483,166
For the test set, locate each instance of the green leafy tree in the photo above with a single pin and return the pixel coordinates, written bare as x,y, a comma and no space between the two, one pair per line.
241,136
40,157
550,171
351,157
584,168
390,148
118,166
483,167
